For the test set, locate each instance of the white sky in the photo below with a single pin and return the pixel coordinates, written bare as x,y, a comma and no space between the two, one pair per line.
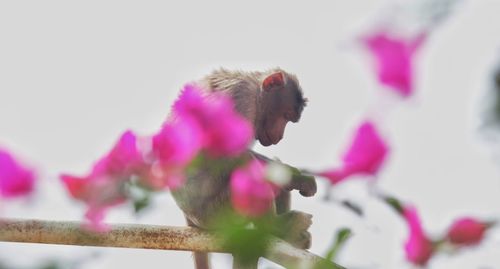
74,75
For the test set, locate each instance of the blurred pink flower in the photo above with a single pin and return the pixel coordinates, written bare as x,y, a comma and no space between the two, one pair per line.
95,217
178,142
103,186
162,175
99,193
15,180
418,247
76,186
251,194
174,147
123,159
225,132
466,231
191,102
229,134
365,155
394,60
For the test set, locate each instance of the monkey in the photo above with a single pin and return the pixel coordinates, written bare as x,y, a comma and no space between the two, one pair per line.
269,101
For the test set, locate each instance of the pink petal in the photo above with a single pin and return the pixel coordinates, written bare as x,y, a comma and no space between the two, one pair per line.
15,180
191,102
418,247
94,190
365,155
251,195
466,231
367,151
76,186
226,133
230,136
164,175
178,142
124,157
394,58
95,217
335,176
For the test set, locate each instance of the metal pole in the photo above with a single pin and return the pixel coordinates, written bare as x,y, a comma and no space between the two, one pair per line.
145,237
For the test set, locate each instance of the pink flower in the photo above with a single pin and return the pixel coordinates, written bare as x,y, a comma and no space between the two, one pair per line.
99,193
229,133
394,60
76,186
15,180
178,142
365,155
95,217
102,188
174,147
162,175
466,231
123,159
418,247
225,132
191,102
251,194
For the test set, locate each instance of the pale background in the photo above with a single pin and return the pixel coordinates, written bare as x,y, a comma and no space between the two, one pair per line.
74,75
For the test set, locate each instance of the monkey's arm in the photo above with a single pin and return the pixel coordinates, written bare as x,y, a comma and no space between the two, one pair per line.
296,223
305,184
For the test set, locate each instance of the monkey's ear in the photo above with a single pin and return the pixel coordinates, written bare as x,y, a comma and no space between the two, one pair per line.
272,81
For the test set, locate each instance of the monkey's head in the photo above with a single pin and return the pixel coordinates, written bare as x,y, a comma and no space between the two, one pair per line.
282,102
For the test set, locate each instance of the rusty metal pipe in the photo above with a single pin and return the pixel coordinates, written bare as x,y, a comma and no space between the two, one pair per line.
145,237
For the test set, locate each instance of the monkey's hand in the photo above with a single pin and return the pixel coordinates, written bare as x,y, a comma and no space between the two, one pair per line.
305,184
294,228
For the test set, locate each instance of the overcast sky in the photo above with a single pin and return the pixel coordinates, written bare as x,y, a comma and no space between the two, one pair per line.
74,75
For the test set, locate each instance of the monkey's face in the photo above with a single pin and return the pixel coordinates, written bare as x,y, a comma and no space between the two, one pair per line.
281,103
272,131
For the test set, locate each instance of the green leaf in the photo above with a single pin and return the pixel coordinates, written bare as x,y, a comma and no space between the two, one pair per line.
395,204
247,238
247,242
142,203
355,208
138,193
341,238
